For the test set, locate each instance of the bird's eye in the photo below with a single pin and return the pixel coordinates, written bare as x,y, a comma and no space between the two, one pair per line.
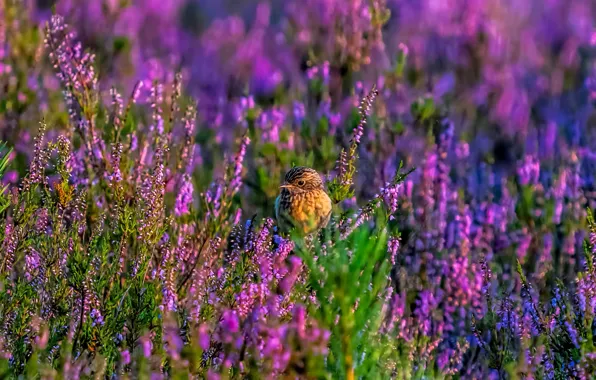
301,183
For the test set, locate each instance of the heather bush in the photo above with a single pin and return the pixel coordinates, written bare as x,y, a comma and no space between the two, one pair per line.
144,146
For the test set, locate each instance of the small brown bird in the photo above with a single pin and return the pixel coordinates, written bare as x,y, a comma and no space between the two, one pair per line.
303,203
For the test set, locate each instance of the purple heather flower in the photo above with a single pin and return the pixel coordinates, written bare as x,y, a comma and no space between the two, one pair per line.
173,342
425,304
299,112
11,177
32,264
213,197
586,293
230,323
75,69
96,317
271,122
116,175
390,194
184,197
243,109
462,150
528,171
573,335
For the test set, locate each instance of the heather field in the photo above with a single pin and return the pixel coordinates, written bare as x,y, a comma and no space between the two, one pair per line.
143,144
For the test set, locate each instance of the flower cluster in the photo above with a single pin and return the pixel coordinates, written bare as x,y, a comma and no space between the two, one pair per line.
139,180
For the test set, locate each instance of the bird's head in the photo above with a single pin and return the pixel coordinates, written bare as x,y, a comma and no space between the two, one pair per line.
302,179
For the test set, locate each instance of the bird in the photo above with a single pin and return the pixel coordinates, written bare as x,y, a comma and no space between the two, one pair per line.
303,204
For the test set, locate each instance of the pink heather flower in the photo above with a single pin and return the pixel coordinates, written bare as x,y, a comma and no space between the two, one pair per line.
137,91
290,279
245,299
117,108
525,239
166,275
42,220
236,181
300,320
147,346
9,247
393,248
403,48
156,102
125,357
204,338
347,159
38,163
41,341
237,216
365,108
312,72
325,73
187,157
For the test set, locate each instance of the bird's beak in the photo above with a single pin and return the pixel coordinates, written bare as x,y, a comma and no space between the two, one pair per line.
285,186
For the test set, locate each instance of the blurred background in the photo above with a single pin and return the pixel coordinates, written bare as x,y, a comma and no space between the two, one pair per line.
516,80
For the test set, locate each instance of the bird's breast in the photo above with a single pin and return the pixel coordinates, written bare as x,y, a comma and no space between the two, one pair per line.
307,210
